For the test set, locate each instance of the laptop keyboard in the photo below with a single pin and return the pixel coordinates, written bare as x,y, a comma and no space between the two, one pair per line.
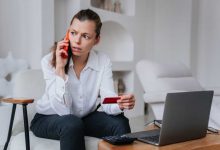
154,139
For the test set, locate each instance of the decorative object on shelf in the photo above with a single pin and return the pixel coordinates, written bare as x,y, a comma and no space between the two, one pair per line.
108,5
117,6
121,86
98,3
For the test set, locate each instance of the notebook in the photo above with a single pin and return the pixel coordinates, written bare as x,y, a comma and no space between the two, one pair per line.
186,116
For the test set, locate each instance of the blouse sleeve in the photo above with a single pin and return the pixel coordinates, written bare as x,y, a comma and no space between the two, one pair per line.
56,91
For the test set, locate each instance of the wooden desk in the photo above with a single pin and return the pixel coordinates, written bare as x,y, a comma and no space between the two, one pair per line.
210,142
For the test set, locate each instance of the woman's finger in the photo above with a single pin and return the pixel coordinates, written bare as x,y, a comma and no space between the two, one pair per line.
126,100
127,96
62,44
127,105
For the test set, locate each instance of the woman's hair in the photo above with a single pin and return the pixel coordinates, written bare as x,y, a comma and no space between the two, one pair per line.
82,15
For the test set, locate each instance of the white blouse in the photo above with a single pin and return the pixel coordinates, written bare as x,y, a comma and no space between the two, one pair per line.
78,96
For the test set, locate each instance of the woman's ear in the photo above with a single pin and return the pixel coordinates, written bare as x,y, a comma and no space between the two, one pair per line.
97,40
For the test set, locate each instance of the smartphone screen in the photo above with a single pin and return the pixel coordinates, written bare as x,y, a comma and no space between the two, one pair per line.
110,100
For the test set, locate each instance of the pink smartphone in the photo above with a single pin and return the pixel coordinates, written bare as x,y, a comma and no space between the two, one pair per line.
110,100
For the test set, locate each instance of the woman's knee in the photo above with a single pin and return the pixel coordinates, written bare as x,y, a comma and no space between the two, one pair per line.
121,125
71,124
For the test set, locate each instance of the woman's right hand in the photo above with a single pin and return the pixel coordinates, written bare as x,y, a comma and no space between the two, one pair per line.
60,61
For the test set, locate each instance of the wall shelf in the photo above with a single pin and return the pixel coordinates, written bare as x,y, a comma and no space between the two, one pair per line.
125,7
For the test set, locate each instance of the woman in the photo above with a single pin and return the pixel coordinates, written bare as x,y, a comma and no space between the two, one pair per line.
67,110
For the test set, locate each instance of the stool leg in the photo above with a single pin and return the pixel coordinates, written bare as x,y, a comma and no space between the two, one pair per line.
10,126
26,127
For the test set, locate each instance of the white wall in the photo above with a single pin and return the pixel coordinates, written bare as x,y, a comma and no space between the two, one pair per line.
47,25
206,47
23,25
12,27
63,15
172,30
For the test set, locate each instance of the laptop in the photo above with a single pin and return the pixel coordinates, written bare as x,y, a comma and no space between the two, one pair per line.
186,116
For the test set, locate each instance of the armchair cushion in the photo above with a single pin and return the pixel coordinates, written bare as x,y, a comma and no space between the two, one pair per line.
167,69
155,76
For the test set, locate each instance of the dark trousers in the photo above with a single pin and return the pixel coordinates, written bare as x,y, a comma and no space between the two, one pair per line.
70,130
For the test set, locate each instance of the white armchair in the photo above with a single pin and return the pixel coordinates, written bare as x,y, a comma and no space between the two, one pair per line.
158,79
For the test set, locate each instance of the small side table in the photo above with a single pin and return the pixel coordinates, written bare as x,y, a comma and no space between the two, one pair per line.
24,102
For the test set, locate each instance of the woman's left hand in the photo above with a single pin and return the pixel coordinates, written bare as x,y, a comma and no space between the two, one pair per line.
127,101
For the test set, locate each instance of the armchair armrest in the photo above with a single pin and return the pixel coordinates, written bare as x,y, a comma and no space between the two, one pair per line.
17,100
157,96
215,89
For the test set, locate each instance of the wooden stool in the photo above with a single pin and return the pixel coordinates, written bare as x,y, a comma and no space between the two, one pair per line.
24,102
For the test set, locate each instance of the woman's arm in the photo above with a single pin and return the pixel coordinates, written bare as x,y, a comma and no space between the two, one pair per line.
56,88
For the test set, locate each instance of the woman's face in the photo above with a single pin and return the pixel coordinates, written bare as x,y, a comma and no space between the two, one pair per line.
82,36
